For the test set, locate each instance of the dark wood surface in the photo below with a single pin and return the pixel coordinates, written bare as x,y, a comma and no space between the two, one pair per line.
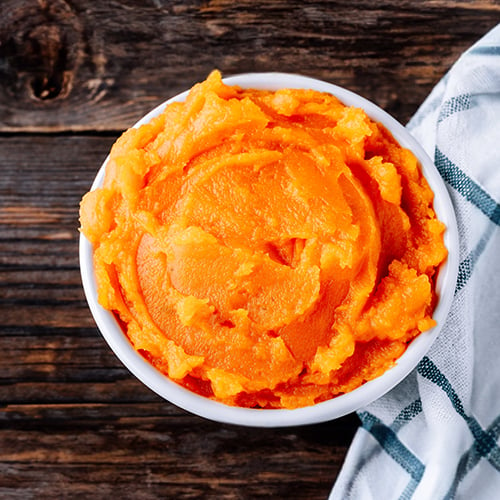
73,74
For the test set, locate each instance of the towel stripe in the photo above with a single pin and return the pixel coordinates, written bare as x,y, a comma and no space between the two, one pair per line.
407,414
486,51
454,105
471,458
409,490
467,187
494,457
391,444
466,267
430,371
485,442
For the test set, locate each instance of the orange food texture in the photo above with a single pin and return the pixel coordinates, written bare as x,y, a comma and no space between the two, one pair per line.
265,249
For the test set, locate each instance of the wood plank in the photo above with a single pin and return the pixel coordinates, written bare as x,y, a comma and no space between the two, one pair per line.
52,351
93,65
152,451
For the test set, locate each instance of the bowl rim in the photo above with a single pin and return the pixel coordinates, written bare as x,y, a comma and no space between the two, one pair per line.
340,405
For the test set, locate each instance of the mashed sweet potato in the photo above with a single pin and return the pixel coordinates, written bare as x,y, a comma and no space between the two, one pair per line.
265,249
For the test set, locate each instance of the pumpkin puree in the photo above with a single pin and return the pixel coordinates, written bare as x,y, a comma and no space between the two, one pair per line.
265,249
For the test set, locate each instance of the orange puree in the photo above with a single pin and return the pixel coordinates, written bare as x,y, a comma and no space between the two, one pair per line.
265,249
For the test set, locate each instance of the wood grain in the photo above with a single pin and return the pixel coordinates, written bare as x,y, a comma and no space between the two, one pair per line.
84,449
92,65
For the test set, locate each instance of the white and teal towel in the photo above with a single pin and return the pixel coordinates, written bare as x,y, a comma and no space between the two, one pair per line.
436,435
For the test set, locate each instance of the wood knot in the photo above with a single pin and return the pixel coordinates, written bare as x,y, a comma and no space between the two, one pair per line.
47,47
40,46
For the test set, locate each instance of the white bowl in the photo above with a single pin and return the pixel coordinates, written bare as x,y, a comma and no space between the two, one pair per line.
340,405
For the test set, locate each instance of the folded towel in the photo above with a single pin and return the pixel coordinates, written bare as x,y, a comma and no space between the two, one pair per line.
436,435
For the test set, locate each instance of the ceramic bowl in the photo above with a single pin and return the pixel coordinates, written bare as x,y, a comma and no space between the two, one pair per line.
340,405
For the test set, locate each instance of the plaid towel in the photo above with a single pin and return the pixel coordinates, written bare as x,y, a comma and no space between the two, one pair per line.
436,435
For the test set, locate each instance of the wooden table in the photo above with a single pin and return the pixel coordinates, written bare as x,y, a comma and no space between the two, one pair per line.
73,74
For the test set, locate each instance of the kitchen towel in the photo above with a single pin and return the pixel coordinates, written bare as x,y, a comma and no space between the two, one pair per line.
436,435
